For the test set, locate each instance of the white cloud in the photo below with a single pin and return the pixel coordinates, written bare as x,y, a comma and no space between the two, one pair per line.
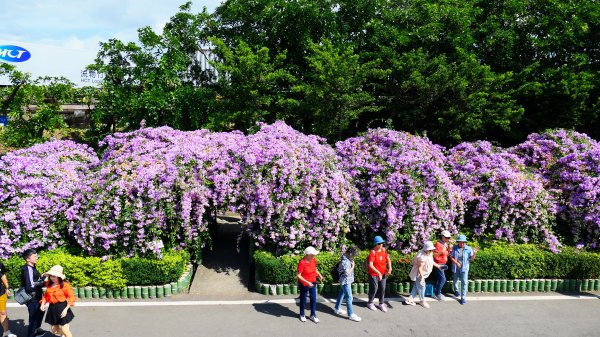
61,21
67,33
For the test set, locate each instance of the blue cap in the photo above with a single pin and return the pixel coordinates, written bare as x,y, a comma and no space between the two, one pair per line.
377,240
462,238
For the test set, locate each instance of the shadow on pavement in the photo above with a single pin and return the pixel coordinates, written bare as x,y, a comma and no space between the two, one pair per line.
17,326
274,309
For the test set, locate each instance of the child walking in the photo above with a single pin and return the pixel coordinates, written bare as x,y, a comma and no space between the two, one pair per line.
58,300
346,270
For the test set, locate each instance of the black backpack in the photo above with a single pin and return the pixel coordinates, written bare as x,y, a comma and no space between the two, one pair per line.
336,271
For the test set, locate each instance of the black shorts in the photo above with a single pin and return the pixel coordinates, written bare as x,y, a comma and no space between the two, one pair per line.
54,311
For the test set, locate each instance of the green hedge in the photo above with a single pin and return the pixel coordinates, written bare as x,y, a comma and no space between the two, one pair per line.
92,271
499,261
147,271
279,270
502,261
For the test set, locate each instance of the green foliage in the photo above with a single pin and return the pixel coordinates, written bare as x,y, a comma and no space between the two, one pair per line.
32,106
498,261
276,269
92,271
249,86
529,261
282,269
456,70
161,80
154,271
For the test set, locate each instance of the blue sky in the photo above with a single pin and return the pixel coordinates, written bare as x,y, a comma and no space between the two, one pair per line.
63,36
85,23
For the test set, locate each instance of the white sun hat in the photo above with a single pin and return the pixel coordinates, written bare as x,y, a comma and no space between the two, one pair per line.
56,271
428,245
310,251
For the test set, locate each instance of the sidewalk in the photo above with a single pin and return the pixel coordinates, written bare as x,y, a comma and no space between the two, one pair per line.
278,316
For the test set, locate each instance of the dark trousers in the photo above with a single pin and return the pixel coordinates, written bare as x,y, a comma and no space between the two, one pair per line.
313,298
377,288
35,316
439,279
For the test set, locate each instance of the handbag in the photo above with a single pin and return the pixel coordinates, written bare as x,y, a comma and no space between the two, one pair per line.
22,296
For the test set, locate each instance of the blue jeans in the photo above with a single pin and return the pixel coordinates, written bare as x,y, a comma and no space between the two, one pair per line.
35,316
418,289
464,281
313,298
439,280
345,291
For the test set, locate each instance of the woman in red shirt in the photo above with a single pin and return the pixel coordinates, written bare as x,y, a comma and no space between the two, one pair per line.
378,261
307,276
58,300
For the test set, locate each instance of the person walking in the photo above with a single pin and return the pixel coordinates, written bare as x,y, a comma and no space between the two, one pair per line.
4,292
440,257
422,266
377,262
346,271
461,256
33,282
307,278
58,300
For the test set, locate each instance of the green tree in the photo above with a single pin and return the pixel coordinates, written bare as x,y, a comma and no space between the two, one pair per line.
162,81
32,106
551,47
250,86
333,91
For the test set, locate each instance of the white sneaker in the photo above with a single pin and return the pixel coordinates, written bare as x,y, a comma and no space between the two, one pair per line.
425,304
440,297
340,312
314,319
354,317
9,334
302,318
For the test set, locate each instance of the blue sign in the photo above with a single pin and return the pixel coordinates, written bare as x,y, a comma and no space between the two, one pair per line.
10,53
3,120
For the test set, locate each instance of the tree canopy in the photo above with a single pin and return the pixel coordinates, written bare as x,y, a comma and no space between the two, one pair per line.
456,70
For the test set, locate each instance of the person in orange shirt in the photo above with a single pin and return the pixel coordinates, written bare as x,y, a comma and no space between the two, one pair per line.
440,257
307,278
58,300
378,260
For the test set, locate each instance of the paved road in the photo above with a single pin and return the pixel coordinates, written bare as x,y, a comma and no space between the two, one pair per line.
492,316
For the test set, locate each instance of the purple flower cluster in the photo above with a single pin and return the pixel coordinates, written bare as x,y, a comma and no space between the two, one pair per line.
153,189
159,188
579,178
37,185
405,192
293,193
501,195
569,163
